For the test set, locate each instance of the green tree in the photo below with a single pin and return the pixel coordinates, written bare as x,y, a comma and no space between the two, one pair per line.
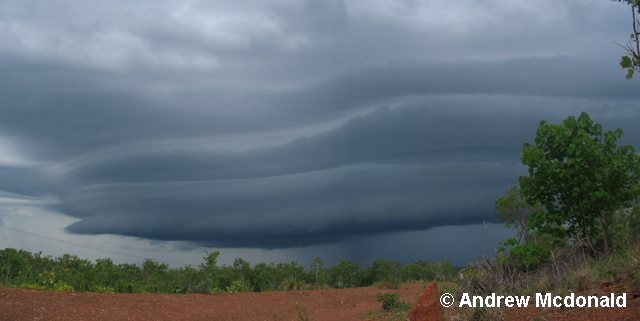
443,270
13,263
291,275
106,273
346,275
317,266
264,277
211,271
154,276
242,269
419,270
187,280
581,177
387,273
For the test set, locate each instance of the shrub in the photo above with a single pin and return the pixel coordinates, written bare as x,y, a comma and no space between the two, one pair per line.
524,256
104,289
291,284
240,285
62,287
391,302
32,286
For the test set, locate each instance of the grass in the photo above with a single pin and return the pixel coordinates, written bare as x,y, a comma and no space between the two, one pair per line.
398,314
569,271
392,308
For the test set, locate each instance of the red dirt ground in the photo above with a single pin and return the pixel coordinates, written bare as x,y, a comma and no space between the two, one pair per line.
428,307
323,305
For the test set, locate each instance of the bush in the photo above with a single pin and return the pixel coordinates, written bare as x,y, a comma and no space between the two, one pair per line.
625,227
524,256
391,302
62,287
104,289
240,285
32,286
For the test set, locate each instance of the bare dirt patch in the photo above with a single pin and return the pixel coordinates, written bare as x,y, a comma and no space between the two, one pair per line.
323,305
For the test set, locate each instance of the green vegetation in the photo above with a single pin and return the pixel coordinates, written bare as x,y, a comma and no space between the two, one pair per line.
525,256
576,214
577,218
393,308
19,268
524,252
631,60
581,177
391,302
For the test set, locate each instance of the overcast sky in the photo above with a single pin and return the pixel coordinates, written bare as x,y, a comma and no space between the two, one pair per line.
284,130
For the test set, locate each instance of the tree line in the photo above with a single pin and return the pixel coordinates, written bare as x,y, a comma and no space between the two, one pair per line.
21,268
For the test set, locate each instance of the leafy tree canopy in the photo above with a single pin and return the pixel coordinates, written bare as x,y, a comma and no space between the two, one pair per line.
581,177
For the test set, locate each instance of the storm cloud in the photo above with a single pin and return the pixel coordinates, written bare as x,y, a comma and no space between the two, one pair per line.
292,123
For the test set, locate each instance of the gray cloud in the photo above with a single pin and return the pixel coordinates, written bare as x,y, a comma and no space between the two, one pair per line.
92,114
315,207
421,130
391,170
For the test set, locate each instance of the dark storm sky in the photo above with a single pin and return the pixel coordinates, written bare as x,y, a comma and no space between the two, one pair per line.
281,124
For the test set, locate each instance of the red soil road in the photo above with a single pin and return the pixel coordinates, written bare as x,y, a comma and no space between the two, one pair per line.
323,305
